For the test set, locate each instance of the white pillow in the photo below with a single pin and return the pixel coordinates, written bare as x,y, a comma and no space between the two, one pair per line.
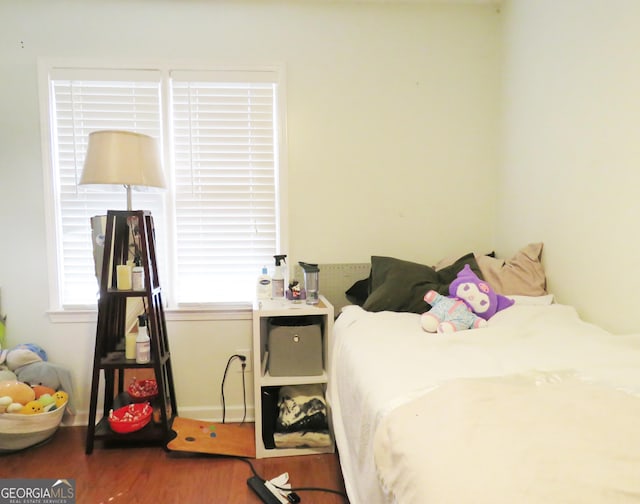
533,300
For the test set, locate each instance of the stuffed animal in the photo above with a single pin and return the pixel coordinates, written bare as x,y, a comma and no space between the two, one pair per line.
448,315
29,364
14,395
41,390
7,374
470,304
19,392
477,294
5,402
47,401
21,355
50,375
60,398
32,408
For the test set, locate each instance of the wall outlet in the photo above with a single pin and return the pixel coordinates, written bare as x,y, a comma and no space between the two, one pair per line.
248,362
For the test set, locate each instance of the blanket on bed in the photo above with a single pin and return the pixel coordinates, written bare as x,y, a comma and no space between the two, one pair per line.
527,439
382,361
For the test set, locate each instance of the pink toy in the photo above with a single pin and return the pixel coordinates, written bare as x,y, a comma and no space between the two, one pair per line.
470,304
448,315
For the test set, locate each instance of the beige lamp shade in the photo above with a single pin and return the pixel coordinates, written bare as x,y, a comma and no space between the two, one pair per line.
123,158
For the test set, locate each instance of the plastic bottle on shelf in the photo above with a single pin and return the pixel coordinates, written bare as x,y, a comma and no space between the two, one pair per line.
277,281
137,276
263,288
143,343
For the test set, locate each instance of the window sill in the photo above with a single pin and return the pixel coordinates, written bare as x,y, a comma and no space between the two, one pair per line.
239,311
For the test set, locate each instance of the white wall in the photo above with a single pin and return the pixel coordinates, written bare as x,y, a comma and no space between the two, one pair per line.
571,169
392,134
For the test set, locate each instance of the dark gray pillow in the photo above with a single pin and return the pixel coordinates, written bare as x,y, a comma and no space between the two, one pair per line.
400,286
358,293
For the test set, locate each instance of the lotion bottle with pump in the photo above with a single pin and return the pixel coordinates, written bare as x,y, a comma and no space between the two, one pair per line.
143,343
263,289
277,281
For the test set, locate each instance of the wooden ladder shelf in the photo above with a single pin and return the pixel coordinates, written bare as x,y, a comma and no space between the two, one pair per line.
123,230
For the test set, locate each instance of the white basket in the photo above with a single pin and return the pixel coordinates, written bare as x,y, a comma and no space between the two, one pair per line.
19,431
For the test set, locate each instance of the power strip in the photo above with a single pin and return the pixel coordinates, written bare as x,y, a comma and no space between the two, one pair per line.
257,485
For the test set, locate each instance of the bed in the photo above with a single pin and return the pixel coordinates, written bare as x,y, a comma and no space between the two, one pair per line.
538,407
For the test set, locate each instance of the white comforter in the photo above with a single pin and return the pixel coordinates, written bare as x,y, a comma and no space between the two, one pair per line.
381,361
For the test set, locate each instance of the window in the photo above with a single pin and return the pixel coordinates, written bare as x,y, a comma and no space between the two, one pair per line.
218,222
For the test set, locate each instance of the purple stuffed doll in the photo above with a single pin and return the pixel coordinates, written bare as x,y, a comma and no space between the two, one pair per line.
470,304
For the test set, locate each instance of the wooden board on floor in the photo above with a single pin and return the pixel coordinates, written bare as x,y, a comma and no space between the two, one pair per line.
197,436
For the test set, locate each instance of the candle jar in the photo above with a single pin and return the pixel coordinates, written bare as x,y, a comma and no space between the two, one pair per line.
123,277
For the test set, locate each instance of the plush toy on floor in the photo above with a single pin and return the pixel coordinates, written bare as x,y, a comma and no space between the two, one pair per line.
470,304
32,408
32,399
19,392
22,355
28,362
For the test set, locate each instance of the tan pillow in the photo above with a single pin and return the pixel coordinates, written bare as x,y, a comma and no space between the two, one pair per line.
522,275
448,261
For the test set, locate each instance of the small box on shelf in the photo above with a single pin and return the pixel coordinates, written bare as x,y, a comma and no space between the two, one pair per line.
294,345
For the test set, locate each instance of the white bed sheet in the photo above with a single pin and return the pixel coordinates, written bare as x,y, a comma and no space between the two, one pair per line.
383,360
534,438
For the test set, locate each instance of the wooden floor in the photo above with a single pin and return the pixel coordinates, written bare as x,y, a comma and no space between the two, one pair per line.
153,475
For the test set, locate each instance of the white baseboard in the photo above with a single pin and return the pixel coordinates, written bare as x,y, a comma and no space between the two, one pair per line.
207,414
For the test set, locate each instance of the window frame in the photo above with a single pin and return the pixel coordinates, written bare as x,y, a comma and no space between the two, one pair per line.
175,311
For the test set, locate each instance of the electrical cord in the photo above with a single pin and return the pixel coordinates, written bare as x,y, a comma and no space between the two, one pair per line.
292,489
224,377
248,461
244,392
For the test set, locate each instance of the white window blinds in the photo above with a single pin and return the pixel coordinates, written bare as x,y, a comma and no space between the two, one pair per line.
225,157
219,131
86,101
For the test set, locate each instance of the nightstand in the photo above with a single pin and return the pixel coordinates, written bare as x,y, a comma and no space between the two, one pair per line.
266,313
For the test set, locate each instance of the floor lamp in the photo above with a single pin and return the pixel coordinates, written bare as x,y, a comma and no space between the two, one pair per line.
123,158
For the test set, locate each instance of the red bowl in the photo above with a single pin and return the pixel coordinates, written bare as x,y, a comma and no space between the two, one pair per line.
142,390
130,418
